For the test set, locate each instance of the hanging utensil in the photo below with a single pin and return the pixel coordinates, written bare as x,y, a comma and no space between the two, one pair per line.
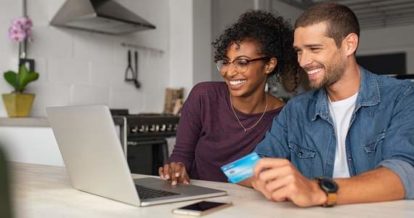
136,82
129,72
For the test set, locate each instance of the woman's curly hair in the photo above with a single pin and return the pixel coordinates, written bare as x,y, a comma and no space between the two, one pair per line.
273,33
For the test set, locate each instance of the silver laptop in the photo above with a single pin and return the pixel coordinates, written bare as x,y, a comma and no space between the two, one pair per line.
95,161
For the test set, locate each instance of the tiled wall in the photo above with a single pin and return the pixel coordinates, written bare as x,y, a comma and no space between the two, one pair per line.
78,67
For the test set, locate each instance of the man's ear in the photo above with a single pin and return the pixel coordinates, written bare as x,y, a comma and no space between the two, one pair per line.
350,43
271,65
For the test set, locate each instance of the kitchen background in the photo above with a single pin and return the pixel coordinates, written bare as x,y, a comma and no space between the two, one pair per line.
78,67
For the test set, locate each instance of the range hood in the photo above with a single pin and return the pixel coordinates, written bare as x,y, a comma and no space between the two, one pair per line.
103,16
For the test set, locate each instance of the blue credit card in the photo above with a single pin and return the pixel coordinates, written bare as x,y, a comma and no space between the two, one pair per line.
241,169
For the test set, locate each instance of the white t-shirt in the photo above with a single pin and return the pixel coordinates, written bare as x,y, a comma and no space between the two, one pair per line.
341,112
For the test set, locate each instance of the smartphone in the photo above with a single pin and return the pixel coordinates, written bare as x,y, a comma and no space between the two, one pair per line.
201,208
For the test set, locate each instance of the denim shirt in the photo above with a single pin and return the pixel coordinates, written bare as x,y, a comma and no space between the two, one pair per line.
381,131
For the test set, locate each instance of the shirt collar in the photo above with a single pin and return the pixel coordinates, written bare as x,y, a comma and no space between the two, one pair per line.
369,95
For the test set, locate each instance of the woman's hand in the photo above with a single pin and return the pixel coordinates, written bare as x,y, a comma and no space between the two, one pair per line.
174,172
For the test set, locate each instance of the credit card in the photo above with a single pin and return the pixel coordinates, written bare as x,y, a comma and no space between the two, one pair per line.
241,169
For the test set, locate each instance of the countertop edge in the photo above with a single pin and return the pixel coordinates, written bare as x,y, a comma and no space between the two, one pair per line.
24,122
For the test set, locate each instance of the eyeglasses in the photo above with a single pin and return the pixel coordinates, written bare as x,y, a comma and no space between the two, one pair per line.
241,65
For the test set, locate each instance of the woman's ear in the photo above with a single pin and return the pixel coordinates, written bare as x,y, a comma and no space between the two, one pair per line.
270,65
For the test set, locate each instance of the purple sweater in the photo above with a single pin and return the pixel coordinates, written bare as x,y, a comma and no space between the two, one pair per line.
209,135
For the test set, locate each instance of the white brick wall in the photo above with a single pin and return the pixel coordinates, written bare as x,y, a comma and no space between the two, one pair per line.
78,67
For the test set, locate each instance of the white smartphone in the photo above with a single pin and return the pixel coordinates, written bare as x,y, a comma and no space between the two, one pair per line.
201,208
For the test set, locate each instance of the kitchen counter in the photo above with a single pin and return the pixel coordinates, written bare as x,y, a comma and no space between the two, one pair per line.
24,122
45,191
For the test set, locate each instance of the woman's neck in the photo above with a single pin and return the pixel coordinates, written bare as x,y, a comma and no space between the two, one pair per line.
250,105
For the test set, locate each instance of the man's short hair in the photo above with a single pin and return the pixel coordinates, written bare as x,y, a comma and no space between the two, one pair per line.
340,19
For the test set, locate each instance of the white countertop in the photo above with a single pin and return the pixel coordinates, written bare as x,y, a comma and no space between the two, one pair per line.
44,191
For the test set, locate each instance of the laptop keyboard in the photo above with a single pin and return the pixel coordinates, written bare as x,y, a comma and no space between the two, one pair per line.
147,193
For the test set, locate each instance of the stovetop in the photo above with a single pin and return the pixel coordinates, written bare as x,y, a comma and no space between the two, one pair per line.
149,125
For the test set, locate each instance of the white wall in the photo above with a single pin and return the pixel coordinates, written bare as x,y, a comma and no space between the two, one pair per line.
78,67
289,12
389,40
190,43
202,41
181,41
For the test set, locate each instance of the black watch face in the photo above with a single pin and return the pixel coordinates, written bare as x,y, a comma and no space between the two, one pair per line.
329,185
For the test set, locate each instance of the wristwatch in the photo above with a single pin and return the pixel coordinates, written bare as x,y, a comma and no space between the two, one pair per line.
330,188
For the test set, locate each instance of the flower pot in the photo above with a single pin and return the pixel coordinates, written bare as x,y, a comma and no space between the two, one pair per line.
18,104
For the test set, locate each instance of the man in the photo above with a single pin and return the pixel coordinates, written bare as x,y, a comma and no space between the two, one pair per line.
351,140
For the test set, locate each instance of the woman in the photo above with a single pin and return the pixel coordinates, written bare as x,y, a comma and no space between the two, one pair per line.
223,121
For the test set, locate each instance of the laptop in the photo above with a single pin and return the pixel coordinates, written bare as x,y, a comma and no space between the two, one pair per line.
96,163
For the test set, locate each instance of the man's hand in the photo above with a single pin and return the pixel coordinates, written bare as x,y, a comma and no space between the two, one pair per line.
175,172
278,180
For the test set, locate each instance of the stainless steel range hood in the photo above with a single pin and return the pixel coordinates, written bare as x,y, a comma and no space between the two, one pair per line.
103,16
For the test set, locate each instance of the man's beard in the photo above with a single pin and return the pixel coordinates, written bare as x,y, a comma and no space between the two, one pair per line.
331,76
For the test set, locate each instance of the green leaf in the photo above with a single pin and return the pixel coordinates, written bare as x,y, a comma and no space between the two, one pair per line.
11,78
20,80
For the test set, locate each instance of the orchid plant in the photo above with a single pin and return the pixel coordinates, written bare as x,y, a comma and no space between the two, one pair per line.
20,31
